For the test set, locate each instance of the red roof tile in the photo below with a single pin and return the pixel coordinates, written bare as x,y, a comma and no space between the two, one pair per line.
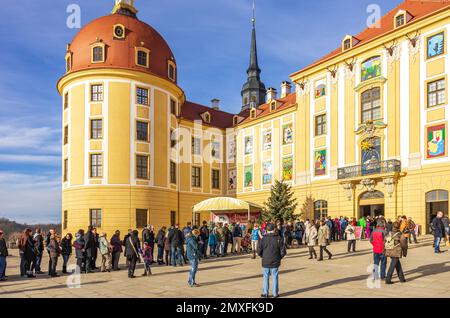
418,9
264,109
220,119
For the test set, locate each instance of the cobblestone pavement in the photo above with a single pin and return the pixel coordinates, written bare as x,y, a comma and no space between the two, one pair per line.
346,275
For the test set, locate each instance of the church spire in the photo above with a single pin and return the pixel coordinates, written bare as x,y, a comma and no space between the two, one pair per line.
254,91
125,7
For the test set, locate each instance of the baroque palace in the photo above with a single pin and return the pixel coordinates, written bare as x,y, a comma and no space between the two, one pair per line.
362,131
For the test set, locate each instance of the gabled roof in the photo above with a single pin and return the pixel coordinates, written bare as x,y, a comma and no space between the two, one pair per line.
264,109
220,119
417,9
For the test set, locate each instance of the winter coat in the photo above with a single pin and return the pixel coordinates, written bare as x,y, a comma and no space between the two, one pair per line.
445,221
147,254
146,236
54,248
397,250
237,231
204,233
132,246
27,249
104,246
3,248
176,238
256,234
377,239
350,231
311,236
362,222
66,246
38,242
160,238
166,244
89,244
116,244
438,227
323,235
212,240
272,250
192,251
79,246
404,228
221,233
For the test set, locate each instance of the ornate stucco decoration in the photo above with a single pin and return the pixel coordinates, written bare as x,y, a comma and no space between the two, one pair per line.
389,183
368,129
368,184
348,187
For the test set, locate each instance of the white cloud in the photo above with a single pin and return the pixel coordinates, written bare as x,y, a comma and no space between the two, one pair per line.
40,139
32,159
30,198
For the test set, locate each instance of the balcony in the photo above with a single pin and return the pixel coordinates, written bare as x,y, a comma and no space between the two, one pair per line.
369,169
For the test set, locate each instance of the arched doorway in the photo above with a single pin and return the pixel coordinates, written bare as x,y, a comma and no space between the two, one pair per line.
436,200
371,203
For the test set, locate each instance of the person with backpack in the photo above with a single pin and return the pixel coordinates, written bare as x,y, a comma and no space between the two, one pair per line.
393,250
350,234
272,250
438,229
377,239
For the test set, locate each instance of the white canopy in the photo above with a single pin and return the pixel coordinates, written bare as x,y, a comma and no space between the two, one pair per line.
225,204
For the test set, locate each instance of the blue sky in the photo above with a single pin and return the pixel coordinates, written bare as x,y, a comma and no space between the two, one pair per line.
210,40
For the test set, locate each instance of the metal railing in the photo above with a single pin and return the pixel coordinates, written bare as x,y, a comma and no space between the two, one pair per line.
381,167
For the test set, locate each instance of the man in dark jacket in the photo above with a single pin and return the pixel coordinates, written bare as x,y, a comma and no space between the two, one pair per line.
438,230
89,246
39,245
204,236
96,247
133,250
3,256
176,243
237,238
146,235
193,254
160,243
271,249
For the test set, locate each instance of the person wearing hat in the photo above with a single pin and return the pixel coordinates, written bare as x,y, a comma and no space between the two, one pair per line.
3,255
193,254
271,249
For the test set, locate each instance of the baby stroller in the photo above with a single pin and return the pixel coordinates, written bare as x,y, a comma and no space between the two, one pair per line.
246,243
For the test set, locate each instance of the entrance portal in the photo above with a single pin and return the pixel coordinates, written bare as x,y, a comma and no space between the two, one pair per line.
371,204
436,201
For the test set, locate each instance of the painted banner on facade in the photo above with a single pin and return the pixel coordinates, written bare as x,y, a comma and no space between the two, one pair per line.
267,172
320,163
288,166
436,141
248,176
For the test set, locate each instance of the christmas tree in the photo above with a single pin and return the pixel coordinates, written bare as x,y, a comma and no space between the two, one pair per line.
281,205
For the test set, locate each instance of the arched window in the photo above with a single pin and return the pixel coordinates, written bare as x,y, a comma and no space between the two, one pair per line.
320,209
437,196
371,105
172,71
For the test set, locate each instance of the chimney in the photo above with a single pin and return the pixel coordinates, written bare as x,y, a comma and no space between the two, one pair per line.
285,89
271,94
215,104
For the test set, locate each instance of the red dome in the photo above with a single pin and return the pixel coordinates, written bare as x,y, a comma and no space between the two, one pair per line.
120,53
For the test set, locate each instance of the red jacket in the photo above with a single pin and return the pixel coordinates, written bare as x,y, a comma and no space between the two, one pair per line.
377,239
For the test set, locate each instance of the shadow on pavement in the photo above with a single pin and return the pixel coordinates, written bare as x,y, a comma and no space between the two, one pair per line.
48,288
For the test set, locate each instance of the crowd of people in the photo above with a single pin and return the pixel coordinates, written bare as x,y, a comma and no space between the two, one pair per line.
178,247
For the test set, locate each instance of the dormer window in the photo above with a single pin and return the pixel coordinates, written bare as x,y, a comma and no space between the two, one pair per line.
142,57
206,117
171,71
98,52
235,120
273,106
253,113
349,42
401,18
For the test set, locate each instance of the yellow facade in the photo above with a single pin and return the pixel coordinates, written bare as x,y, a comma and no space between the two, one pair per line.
419,188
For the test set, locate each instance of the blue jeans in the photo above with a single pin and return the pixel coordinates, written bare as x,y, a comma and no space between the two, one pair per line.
437,244
221,248
379,270
267,272
160,253
65,261
193,271
2,266
176,254
38,261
